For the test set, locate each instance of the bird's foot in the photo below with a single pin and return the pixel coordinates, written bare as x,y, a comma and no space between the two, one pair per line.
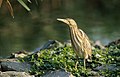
89,60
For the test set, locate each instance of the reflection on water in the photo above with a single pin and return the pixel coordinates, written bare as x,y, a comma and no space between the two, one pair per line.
29,31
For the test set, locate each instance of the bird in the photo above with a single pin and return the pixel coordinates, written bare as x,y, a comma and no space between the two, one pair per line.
79,40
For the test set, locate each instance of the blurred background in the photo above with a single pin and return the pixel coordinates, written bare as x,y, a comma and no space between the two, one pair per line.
99,19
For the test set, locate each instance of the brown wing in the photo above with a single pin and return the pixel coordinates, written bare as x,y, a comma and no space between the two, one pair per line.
86,45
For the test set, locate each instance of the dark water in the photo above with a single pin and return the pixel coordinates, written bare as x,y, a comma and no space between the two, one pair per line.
29,30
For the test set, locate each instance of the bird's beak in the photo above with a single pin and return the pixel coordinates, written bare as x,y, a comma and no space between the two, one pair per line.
63,20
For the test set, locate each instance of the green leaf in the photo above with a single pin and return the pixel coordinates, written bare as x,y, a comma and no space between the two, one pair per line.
1,2
10,8
29,1
24,5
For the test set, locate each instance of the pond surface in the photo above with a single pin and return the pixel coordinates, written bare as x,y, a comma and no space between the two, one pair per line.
30,30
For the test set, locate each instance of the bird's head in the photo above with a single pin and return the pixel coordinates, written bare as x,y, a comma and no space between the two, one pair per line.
70,22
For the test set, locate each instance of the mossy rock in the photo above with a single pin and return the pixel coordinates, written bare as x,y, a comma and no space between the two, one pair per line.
64,58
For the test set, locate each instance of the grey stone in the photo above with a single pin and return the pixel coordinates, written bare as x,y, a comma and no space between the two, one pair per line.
111,67
94,73
68,43
98,44
50,44
15,66
10,60
58,73
15,74
0,68
20,54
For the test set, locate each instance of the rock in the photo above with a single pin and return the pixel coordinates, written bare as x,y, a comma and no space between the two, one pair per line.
50,44
4,60
110,67
116,42
0,68
19,54
98,45
10,60
15,66
58,73
94,73
68,43
15,74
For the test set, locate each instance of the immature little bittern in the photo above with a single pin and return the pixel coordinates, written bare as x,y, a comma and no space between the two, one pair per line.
80,41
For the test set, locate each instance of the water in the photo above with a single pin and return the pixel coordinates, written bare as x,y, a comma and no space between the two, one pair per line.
30,30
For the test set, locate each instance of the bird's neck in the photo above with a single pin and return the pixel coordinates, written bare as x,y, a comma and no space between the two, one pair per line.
73,30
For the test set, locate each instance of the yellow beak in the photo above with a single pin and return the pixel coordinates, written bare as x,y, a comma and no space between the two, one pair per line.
63,20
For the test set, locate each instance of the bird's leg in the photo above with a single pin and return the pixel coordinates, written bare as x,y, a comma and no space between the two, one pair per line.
76,63
84,63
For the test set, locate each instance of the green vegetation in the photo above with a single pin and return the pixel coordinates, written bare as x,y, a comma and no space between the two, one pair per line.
10,8
65,58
